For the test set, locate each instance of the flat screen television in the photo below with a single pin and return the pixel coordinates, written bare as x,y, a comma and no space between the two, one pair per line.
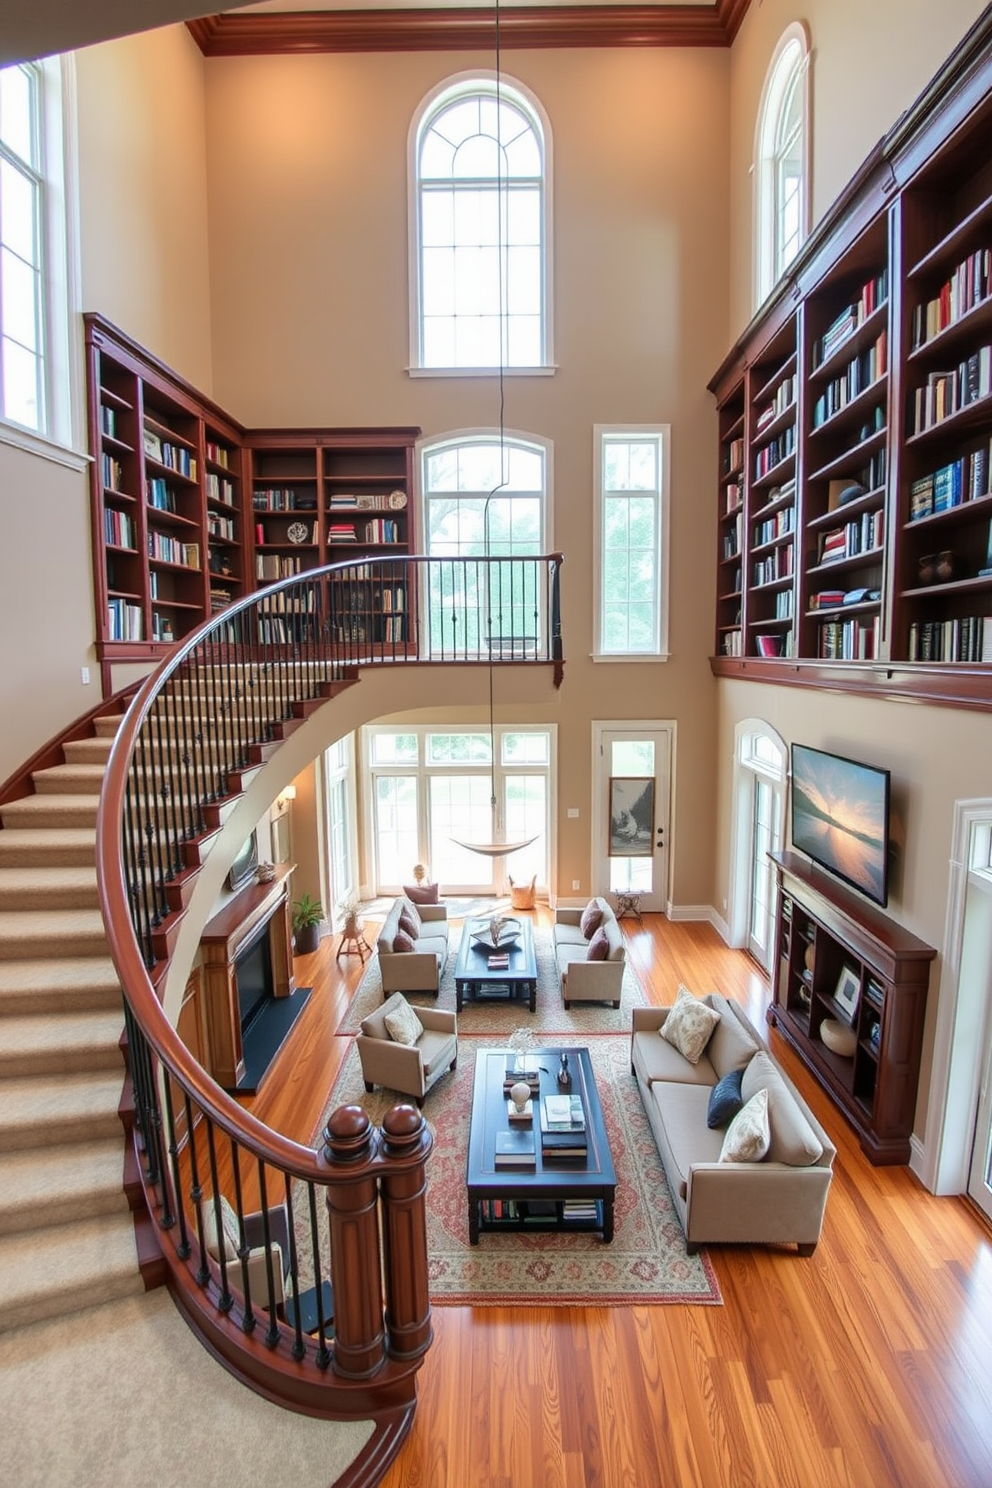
840,818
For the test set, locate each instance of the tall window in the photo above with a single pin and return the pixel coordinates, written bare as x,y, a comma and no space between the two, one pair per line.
759,828
781,165
485,500
34,309
632,555
429,791
480,208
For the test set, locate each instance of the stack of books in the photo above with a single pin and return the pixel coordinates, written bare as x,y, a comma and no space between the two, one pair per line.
500,961
563,1128
522,1069
515,1149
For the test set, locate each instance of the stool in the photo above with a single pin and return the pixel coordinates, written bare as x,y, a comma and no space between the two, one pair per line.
629,903
353,942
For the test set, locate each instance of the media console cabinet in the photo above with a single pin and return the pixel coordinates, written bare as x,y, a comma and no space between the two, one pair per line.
830,941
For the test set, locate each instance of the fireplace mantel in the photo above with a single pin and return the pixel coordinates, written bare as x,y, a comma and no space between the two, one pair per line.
222,940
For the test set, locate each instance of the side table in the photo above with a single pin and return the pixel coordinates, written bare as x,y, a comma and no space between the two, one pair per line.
353,942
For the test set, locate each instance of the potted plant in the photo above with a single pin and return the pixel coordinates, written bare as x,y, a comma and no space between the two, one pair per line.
307,915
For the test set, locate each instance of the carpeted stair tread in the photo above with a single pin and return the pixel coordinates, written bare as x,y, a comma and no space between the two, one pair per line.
106,727
48,1111
55,1043
87,751
49,1272
68,984
51,811
48,888
69,780
41,1187
43,847
27,933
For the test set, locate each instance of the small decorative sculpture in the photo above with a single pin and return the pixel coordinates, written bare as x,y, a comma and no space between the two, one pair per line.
564,1073
520,1095
419,873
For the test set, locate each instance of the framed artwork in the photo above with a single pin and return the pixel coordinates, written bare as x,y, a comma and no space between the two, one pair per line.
244,865
848,992
279,828
631,816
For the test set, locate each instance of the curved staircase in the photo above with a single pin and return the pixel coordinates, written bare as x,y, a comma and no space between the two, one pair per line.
66,1234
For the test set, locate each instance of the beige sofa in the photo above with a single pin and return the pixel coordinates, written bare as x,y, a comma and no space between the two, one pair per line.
780,1199
583,980
418,970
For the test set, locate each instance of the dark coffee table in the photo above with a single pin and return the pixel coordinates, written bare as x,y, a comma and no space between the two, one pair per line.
569,1194
474,979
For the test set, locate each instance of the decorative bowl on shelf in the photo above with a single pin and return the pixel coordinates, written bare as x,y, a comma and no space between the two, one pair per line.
838,1039
499,934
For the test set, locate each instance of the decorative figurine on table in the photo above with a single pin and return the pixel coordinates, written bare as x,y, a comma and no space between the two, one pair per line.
564,1073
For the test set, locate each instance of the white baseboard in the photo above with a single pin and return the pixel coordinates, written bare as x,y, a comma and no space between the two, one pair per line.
697,912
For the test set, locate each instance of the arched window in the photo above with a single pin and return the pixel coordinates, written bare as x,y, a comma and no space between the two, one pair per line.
781,168
480,152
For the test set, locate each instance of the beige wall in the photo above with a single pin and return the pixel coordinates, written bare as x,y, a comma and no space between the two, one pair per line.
143,194
308,231
870,61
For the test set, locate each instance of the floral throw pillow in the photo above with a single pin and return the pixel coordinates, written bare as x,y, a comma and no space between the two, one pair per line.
403,1025
748,1135
689,1025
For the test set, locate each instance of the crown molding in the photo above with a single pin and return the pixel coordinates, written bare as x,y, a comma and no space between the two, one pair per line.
241,33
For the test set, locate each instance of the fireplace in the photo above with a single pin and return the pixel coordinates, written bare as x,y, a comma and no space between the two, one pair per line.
254,979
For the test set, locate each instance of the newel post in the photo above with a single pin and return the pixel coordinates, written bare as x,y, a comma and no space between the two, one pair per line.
352,1194
404,1219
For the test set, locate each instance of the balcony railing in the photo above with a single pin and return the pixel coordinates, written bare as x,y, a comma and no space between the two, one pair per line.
254,1226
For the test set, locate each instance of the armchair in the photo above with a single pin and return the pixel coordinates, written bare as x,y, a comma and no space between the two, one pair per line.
409,1068
230,1238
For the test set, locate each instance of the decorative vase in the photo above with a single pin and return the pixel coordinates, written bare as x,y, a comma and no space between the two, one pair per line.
944,567
306,940
927,569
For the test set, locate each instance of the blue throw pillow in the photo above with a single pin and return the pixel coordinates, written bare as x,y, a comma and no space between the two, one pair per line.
725,1099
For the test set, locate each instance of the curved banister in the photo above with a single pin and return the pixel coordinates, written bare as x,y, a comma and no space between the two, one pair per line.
215,710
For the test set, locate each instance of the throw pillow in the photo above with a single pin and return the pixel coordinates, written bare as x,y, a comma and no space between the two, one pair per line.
422,893
748,1136
407,923
793,1140
689,1025
591,919
725,1100
403,942
403,1025
599,946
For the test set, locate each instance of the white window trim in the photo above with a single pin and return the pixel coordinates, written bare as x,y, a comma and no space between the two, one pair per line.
746,772
62,439
763,194
462,82
481,434
663,433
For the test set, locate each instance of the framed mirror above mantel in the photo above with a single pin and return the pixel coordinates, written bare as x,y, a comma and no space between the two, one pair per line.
247,960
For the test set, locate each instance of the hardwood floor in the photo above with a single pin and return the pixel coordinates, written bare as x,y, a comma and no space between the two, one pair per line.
870,1363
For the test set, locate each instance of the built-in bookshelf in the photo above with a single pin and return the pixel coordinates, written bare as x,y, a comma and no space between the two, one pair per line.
190,511
865,391
166,501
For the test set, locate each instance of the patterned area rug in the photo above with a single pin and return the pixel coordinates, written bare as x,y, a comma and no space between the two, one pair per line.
503,1018
646,1262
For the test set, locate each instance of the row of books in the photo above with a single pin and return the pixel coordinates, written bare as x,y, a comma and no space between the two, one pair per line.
849,640
735,455
219,488
379,530
968,285
112,472
218,453
783,605
873,294
964,479
166,549
784,397
119,530
160,494
734,496
733,536
779,525
174,456
218,526
272,566
832,599
162,627
367,501
537,1211
946,393
124,621
108,420
775,451
282,498
965,639
777,565
732,643
861,535
860,374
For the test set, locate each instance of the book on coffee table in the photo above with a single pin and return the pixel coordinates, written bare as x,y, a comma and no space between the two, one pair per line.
515,1149
562,1113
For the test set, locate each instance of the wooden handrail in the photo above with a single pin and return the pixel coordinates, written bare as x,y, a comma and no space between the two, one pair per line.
219,705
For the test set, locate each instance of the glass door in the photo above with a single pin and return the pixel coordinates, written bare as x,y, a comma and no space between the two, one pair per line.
632,778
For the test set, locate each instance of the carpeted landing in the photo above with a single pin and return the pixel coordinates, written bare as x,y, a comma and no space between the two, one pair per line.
646,1261
124,1394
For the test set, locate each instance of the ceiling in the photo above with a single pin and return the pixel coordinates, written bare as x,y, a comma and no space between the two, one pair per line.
35,28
